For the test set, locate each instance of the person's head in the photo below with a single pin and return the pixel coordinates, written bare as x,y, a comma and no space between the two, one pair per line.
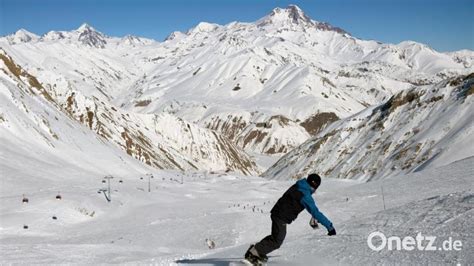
314,181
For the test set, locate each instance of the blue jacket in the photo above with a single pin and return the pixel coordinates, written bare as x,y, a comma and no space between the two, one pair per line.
308,202
297,198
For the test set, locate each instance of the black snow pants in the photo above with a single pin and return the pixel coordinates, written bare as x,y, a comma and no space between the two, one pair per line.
273,241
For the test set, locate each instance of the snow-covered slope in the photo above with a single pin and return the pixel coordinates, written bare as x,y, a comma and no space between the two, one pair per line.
233,78
466,57
417,128
42,146
162,141
170,224
212,72
435,203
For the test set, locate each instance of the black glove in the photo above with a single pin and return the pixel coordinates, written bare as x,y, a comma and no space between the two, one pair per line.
313,223
332,232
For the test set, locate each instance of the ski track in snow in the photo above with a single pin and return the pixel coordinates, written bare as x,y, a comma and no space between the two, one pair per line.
169,225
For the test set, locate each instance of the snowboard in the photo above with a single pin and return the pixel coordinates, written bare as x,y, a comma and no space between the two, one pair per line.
249,263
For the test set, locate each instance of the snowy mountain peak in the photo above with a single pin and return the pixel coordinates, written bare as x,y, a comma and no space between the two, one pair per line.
22,36
296,14
204,27
413,45
133,40
90,37
85,27
284,16
294,17
53,36
23,32
174,35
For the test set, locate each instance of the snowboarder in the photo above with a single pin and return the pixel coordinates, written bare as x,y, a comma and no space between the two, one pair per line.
285,211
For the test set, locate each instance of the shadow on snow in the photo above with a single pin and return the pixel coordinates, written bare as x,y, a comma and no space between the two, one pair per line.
212,261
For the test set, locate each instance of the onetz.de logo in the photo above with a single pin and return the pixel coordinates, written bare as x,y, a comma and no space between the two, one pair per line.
377,241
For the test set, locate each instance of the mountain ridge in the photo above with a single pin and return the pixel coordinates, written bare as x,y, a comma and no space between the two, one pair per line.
426,126
265,88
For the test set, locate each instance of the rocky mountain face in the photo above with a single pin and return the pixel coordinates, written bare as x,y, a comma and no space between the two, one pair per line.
161,141
36,133
204,98
233,77
293,17
420,127
90,37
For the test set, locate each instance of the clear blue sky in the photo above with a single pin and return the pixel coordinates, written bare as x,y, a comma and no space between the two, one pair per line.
445,25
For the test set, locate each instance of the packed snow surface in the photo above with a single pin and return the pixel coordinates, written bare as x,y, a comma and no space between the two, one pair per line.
170,224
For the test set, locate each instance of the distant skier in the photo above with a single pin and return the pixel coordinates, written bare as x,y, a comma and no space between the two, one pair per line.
285,211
